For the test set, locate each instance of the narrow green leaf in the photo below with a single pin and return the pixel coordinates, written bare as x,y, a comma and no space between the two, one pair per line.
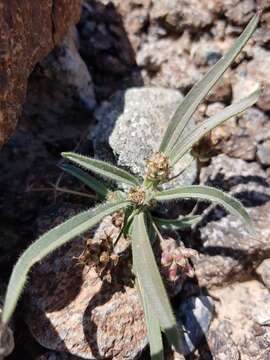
49,242
86,179
153,327
185,144
190,103
103,168
209,194
177,224
151,283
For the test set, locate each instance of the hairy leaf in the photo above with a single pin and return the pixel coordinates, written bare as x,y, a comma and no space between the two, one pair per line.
49,242
177,224
86,179
103,168
209,194
190,103
153,327
151,283
185,144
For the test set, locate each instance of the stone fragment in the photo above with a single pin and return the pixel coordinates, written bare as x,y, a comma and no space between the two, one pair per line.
130,128
263,270
177,15
160,58
228,253
239,11
220,345
250,75
240,310
197,314
263,153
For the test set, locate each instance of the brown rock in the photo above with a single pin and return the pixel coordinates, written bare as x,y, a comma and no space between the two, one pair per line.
239,11
220,345
263,270
177,15
72,308
28,33
241,310
250,75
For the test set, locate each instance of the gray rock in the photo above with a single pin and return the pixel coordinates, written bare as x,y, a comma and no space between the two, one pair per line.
130,128
263,153
196,314
229,252
263,270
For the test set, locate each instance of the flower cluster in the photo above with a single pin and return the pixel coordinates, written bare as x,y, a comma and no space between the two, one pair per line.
158,168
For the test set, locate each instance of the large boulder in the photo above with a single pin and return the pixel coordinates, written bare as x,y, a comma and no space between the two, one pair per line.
29,31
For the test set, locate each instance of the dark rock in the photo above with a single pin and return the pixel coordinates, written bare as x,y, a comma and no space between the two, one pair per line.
196,314
57,356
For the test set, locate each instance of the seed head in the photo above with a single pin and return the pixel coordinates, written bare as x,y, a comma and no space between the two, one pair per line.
136,195
158,168
175,259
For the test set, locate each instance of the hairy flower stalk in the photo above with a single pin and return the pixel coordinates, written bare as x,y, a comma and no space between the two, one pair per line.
135,206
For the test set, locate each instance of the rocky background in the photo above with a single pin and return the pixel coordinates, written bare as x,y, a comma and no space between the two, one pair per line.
68,312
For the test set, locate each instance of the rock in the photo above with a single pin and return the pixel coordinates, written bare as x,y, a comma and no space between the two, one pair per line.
135,16
28,34
177,15
65,66
220,345
228,253
239,11
253,74
160,58
51,355
263,270
130,128
263,153
76,304
196,314
222,91
69,308
242,306
255,124
108,43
